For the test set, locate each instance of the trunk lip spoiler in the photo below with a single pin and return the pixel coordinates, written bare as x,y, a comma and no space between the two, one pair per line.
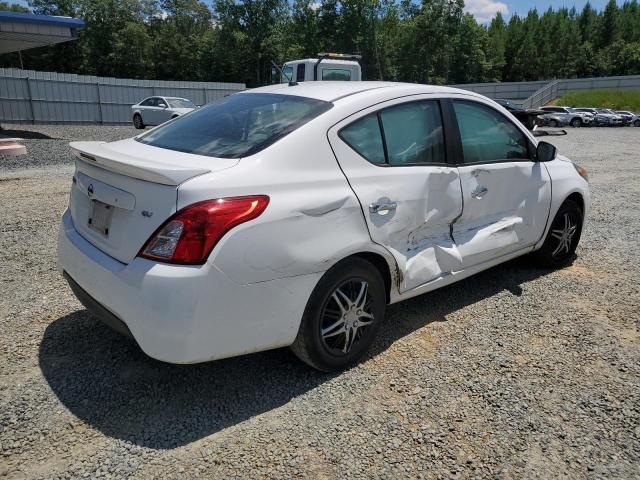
95,153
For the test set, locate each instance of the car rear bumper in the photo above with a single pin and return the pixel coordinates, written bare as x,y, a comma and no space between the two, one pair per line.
182,314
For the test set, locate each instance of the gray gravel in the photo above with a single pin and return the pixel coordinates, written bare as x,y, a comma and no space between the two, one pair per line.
516,372
48,144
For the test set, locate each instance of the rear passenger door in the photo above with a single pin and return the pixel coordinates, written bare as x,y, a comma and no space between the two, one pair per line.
506,194
395,157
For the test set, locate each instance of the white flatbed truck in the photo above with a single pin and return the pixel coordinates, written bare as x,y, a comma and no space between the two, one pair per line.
327,66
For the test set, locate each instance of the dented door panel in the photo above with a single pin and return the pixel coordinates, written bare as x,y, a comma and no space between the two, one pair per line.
506,206
417,231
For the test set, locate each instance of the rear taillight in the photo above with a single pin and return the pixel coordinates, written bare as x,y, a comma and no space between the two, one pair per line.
189,236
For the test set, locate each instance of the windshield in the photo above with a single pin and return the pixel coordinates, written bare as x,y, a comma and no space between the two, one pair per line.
180,103
236,126
287,74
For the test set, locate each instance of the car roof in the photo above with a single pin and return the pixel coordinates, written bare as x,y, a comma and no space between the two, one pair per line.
332,91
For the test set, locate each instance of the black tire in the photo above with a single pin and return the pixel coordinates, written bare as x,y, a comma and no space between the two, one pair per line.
636,123
137,121
576,122
553,253
553,123
326,353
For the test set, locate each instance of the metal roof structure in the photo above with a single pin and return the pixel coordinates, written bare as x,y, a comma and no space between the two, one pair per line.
21,31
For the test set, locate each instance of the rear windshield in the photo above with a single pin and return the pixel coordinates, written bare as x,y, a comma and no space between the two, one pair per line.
236,126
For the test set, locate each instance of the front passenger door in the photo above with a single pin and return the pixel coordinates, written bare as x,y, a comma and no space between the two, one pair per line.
506,195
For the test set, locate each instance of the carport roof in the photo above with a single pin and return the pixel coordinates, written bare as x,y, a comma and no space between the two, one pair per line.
21,31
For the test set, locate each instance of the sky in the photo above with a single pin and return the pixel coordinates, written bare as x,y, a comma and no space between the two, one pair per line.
485,10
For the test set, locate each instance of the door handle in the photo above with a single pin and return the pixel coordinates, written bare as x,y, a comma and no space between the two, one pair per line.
382,207
479,191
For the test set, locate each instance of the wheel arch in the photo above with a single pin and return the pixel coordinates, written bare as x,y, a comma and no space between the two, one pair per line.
384,264
577,198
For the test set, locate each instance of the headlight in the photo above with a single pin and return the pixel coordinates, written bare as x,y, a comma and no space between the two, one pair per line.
581,171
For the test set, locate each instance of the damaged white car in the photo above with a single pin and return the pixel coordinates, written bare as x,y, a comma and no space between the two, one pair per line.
291,215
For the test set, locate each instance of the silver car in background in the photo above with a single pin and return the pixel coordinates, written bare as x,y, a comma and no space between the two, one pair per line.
569,116
156,110
603,117
630,118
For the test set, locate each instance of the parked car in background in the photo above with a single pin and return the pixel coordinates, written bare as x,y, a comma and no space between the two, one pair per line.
630,118
528,117
156,110
603,118
292,215
570,115
554,120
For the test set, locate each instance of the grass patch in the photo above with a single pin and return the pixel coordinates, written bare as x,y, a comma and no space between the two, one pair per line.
615,99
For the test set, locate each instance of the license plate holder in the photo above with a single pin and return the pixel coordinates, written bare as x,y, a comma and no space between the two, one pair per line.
100,217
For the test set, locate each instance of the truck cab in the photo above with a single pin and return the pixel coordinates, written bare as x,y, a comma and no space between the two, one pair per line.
327,66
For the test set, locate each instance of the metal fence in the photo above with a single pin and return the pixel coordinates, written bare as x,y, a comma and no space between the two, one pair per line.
506,90
27,96
540,92
560,87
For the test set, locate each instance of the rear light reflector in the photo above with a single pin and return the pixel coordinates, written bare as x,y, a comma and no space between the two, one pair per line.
188,237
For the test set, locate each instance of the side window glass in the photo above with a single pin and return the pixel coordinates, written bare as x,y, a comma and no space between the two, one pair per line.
300,72
364,137
413,133
487,136
147,103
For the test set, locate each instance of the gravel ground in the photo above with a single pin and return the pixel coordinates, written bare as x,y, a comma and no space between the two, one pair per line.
515,372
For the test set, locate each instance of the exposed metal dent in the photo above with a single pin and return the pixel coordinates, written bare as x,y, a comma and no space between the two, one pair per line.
479,171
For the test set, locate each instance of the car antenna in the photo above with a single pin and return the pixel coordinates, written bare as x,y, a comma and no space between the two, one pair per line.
292,83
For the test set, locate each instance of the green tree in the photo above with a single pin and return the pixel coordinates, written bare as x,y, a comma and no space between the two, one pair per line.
609,31
13,7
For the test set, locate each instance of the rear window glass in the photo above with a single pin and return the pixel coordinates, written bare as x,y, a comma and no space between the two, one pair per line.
336,74
237,126
365,138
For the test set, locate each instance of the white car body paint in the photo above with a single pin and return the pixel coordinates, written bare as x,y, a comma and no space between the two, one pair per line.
252,291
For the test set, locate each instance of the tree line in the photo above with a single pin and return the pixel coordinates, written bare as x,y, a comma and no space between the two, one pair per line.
433,41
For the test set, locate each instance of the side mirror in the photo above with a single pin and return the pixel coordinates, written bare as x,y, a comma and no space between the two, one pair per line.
162,105
545,152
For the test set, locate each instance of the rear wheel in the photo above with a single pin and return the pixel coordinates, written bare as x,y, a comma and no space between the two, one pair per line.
137,121
563,237
342,317
576,122
553,123
636,123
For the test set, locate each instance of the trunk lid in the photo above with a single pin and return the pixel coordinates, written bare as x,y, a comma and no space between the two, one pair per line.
123,191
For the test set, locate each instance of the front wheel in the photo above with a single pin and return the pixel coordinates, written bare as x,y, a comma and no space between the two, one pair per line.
553,123
563,237
137,121
576,122
342,317
636,123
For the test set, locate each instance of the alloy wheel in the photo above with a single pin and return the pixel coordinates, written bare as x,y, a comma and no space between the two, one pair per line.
564,236
346,317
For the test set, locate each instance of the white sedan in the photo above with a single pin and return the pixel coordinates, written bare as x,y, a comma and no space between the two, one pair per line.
292,215
156,110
